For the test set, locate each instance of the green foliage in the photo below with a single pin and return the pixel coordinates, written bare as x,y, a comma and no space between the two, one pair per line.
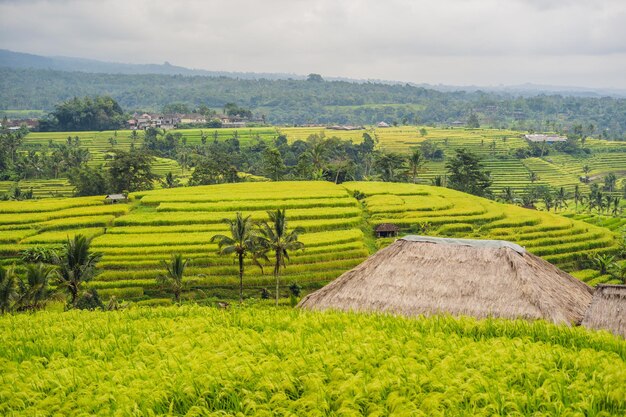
88,113
131,171
273,164
89,300
8,282
472,121
301,101
173,279
194,360
88,181
76,265
467,174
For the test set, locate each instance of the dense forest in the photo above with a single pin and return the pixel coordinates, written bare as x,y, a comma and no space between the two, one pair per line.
315,100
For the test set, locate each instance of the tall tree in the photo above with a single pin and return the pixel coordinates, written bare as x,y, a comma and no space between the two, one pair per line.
273,164
243,241
389,165
276,238
467,174
131,171
610,180
174,275
88,113
416,161
76,265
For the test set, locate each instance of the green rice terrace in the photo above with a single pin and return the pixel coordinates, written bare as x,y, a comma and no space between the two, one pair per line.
194,361
496,147
338,233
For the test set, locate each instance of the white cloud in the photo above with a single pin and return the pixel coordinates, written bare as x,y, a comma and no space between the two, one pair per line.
445,41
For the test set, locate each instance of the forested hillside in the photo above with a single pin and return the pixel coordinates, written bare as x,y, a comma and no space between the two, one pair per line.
304,101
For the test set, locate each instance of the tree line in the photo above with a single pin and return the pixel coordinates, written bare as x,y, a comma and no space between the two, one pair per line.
326,102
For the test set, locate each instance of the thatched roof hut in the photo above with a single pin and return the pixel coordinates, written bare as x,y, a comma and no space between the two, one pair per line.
386,230
421,275
608,309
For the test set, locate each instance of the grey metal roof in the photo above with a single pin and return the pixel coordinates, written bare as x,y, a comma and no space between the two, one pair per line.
466,242
116,196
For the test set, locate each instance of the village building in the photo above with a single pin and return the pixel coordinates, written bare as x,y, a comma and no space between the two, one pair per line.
382,124
538,138
423,275
191,119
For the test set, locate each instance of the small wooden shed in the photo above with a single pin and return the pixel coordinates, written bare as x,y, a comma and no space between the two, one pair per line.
386,230
115,199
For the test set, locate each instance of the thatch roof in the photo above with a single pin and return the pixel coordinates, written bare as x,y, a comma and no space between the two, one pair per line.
420,275
608,309
386,227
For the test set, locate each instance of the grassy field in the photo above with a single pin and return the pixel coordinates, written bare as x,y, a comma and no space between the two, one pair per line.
203,361
135,237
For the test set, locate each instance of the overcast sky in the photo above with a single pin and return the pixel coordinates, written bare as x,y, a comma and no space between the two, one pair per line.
458,42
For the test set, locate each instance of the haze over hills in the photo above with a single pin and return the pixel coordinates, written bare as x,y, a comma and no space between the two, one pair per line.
12,59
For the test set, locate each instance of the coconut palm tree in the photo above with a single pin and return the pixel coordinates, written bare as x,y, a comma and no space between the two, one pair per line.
173,278
508,195
76,265
34,291
243,241
578,196
560,199
275,238
7,288
416,160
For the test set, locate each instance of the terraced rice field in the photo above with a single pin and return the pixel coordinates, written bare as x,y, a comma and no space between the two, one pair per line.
302,133
445,212
41,188
135,237
495,146
402,139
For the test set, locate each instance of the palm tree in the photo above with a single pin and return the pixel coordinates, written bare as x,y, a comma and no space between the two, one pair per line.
243,241
77,264
34,291
532,176
616,210
275,238
7,288
416,160
560,199
603,263
609,182
508,195
173,278
578,197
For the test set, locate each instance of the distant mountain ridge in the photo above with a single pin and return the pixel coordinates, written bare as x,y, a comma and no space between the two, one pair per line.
13,59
